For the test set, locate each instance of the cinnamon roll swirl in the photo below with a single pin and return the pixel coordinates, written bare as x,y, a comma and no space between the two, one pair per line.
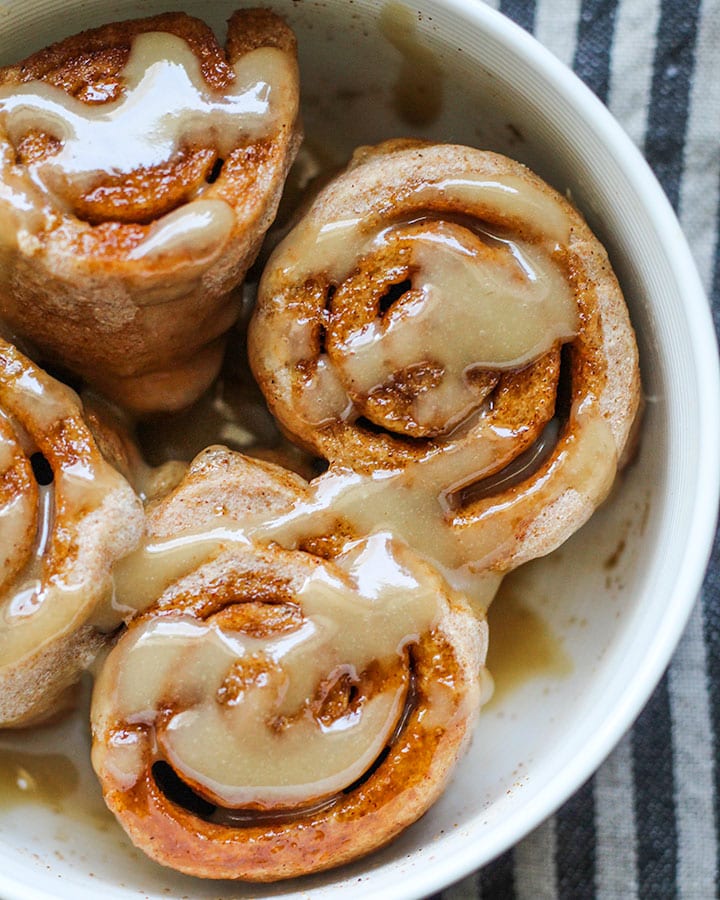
276,712
140,166
444,328
66,516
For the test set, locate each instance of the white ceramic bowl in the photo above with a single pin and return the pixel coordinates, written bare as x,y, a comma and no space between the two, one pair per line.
611,630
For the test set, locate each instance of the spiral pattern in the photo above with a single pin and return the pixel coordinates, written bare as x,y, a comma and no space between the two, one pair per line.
275,712
444,324
140,166
66,516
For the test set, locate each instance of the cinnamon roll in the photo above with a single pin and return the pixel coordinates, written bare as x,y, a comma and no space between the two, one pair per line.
444,329
277,712
140,166
66,516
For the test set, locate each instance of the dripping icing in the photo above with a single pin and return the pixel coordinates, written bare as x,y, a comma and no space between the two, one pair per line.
166,103
368,606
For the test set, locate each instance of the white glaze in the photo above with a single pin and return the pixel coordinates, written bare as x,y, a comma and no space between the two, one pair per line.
166,104
266,746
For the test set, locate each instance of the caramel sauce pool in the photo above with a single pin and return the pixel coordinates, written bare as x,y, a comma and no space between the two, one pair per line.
52,781
48,767
418,91
41,778
522,647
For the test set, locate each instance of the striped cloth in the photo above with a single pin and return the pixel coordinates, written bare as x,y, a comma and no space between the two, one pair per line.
646,825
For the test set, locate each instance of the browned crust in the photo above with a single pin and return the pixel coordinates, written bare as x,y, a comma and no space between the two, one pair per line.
86,541
361,820
94,58
251,28
89,66
149,334
366,816
604,359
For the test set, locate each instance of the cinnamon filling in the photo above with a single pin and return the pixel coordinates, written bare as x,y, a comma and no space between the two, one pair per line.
167,128
184,795
386,345
282,720
85,156
58,477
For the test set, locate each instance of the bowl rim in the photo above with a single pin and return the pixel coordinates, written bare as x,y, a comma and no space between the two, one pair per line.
463,859
699,540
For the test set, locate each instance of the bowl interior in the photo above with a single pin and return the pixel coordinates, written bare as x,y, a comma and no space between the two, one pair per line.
580,637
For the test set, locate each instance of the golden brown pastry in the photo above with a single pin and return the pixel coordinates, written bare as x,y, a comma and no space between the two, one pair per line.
445,330
66,516
116,437
140,166
274,712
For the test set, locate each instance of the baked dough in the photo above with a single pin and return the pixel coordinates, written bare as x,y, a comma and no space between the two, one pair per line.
125,234
329,699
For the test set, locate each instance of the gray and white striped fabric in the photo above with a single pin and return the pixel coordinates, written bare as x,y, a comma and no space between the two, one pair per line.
647,824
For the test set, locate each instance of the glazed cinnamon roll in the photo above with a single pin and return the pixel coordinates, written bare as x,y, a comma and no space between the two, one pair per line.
66,516
445,330
140,166
276,712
